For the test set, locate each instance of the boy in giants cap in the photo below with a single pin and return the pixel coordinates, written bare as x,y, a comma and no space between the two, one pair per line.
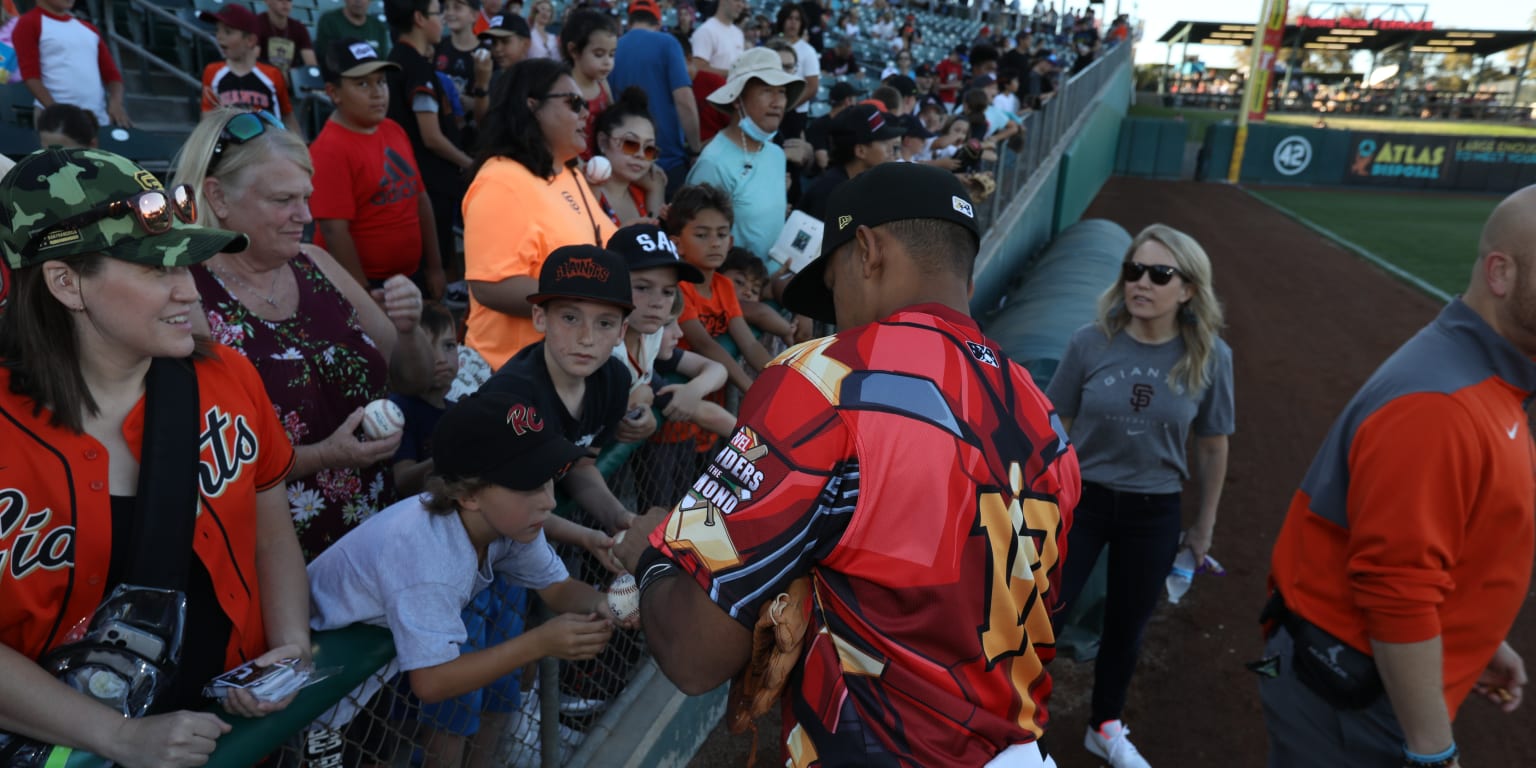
413,567
890,459
862,137
370,209
581,307
240,80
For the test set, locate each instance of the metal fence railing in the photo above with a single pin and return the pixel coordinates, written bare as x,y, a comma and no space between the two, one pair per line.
1045,129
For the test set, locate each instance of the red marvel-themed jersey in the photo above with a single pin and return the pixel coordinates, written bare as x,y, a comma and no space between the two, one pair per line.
926,486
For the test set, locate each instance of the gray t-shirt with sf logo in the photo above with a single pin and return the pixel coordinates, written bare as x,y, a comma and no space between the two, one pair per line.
1131,426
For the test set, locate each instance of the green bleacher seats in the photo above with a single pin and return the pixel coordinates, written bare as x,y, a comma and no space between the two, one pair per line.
16,104
154,151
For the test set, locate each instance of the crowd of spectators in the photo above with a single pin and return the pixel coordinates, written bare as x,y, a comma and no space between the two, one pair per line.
582,210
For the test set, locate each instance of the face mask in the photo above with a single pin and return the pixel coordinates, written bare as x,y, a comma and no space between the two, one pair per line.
751,131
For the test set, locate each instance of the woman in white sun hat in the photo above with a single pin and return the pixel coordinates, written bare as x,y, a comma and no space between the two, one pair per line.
742,158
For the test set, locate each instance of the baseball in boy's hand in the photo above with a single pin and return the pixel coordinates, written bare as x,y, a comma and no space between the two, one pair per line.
381,418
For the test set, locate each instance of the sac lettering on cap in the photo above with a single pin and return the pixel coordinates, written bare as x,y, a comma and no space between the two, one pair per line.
524,419
495,21
362,51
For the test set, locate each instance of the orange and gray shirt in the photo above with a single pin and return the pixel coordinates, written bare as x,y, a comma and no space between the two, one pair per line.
1415,520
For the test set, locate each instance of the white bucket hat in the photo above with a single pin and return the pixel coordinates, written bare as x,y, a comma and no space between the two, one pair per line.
757,64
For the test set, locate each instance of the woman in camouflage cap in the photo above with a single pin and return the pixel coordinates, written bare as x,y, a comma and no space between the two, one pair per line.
102,297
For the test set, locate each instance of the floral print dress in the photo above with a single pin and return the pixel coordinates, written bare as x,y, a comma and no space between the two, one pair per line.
318,367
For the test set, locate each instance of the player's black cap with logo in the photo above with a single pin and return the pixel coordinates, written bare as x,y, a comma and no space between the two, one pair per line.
585,273
501,438
883,194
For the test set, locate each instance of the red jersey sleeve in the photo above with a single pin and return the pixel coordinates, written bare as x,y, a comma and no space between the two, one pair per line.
24,38
771,502
1409,496
210,99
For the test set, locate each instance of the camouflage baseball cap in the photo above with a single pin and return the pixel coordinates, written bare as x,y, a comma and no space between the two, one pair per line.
55,184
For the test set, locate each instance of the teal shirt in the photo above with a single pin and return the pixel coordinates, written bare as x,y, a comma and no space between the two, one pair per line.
334,25
758,193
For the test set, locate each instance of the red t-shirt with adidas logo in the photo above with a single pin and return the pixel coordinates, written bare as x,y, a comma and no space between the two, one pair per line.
370,180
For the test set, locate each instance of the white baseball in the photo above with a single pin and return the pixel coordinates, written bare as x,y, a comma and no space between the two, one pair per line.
624,597
598,169
381,418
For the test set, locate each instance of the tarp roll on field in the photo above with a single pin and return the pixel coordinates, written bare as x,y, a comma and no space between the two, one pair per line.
1057,294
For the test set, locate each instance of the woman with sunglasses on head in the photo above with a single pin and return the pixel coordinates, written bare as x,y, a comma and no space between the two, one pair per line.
325,346
1130,389
636,192
102,377
526,199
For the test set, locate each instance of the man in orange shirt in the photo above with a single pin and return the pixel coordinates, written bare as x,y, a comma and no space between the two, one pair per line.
1406,553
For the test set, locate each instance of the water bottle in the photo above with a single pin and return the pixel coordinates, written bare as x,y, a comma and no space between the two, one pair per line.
1180,576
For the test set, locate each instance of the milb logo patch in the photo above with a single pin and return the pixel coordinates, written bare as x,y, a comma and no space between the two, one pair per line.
962,206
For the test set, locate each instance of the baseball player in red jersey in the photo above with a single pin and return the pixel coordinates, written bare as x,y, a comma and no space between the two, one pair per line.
914,473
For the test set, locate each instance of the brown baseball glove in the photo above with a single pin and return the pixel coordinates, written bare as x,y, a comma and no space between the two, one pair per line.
776,642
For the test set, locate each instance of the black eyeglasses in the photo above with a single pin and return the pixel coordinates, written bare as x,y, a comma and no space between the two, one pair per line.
1131,272
240,129
573,100
153,209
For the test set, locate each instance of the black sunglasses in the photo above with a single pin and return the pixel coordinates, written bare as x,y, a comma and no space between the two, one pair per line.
240,129
1131,272
153,209
574,100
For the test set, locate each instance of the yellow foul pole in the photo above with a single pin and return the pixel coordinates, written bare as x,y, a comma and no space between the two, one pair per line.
1267,37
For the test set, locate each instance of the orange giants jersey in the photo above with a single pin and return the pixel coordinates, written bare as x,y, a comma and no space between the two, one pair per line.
926,485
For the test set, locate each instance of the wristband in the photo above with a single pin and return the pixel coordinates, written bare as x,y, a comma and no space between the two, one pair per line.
1441,759
652,567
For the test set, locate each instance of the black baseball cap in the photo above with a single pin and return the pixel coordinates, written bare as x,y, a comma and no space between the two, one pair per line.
646,246
842,91
888,192
925,70
914,127
904,85
587,273
507,25
352,57
866,124
503,439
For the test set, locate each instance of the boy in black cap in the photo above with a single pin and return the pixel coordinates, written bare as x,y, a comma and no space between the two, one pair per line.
862,138
655,270
413,567
371,211
465,58
581,307
509,39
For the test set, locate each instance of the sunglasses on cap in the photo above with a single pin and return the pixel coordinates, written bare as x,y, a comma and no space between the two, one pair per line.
1131,272
240,129
573,100
152,209
635,148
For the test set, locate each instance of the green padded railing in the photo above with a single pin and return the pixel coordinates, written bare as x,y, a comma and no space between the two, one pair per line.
353,653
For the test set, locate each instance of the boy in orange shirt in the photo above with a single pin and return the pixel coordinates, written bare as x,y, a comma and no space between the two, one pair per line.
699,222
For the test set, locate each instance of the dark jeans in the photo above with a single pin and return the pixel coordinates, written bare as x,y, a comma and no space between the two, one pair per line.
1142,533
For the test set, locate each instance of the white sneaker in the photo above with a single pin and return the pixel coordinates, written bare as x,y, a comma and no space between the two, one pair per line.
1111,742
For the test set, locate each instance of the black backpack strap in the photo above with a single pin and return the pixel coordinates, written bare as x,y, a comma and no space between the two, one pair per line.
160,548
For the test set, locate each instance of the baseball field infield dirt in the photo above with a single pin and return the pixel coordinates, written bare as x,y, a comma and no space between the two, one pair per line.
1307,322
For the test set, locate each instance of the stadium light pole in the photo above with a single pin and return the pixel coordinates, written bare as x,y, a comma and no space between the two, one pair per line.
1268,35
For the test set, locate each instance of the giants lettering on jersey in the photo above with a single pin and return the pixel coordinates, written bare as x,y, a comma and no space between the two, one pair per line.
229,444
30,549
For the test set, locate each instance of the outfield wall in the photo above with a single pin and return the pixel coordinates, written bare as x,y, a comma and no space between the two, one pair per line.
1286,154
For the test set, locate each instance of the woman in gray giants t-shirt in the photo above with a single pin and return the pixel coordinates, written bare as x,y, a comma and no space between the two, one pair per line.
1129,389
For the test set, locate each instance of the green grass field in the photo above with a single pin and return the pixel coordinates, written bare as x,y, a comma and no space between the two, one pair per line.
1433,237
1199,119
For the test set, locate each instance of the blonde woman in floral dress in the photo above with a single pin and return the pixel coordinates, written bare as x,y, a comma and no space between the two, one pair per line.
323,345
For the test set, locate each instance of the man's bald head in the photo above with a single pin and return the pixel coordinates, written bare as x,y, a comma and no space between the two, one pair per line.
1511,229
